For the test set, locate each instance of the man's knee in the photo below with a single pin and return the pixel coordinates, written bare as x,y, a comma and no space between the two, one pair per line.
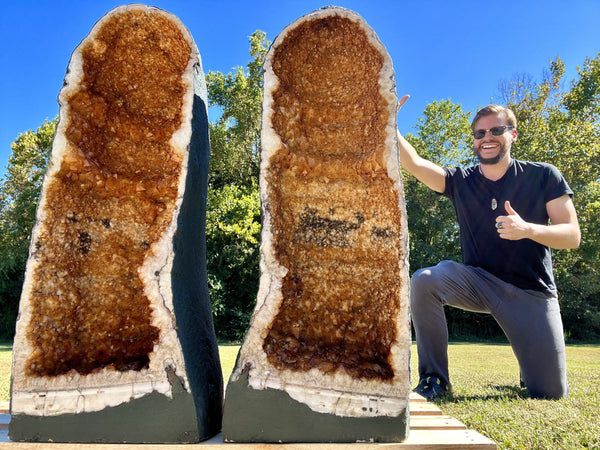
430,279
556,391
546,378
420,280
428,289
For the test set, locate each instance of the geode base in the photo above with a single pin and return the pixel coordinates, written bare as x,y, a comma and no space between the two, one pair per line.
272,416
153,418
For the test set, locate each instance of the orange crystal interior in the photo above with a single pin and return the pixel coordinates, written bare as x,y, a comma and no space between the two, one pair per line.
336,220
111,200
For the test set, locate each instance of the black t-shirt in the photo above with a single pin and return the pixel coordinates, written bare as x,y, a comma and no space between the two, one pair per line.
528,186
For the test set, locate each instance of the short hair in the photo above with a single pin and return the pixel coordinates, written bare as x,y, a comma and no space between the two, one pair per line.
498,110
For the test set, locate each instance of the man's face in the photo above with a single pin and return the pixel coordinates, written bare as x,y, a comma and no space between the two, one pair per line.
492,149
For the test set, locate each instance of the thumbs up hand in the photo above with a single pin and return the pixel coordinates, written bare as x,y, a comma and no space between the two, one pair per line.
512,226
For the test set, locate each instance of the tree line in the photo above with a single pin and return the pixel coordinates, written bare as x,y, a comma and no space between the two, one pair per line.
556,125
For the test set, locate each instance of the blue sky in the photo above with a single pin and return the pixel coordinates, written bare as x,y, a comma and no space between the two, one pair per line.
459,50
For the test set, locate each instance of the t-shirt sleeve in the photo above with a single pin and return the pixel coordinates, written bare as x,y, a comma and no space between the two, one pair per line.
556,185
449,188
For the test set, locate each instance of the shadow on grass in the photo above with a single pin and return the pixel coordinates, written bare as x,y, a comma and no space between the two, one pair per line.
503,392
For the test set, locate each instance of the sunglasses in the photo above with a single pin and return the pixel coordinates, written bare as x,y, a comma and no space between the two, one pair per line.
496,131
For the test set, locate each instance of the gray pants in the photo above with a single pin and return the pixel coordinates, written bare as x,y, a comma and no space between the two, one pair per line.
531,321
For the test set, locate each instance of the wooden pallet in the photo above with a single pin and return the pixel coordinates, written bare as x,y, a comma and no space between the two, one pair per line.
429,430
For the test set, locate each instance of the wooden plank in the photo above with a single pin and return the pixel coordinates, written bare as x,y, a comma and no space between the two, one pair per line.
414,397
435,423
446,440
4,407
418,440
441,439
424,409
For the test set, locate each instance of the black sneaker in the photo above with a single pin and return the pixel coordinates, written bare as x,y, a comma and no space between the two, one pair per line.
432,388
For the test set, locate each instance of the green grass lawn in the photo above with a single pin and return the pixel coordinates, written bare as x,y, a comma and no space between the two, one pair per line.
5,363
487,398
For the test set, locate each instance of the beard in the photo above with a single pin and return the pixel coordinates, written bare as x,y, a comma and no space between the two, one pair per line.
495,159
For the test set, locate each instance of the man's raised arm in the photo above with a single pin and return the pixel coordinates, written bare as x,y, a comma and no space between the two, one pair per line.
427,172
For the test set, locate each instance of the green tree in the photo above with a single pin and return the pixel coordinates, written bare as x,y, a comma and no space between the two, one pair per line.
19,192
235,136
233,215
232,242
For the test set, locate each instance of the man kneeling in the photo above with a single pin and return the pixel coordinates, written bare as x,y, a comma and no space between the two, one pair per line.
510,213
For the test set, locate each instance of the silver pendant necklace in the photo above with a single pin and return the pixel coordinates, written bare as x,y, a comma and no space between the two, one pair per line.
494,203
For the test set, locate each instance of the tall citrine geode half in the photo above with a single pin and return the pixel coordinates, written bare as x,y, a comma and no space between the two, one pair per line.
114,340
327,353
